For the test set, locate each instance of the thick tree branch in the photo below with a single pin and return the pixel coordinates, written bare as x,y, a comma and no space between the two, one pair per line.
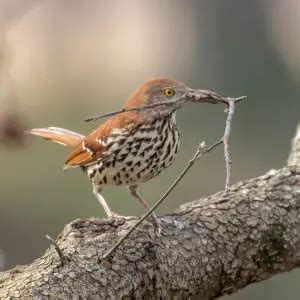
210,247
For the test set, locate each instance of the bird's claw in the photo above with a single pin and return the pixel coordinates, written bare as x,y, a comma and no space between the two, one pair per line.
114,215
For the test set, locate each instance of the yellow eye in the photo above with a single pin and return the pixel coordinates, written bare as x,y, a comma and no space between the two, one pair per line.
169,92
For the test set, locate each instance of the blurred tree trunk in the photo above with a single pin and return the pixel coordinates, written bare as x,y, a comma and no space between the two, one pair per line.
209,248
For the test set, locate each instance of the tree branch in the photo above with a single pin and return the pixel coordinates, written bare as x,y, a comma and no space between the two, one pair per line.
210,247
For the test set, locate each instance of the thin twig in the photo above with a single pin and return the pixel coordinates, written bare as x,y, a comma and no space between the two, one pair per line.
226,137
59,252
137,108
198,154
239,99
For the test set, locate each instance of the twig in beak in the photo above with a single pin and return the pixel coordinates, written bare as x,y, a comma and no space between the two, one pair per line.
137,108
194,95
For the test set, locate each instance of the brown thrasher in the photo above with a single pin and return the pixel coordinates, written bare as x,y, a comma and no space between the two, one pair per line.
132,147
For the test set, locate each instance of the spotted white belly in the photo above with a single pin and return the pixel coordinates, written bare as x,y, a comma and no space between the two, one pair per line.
137,157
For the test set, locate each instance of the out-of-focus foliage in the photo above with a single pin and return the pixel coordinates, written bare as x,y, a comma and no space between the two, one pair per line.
62,61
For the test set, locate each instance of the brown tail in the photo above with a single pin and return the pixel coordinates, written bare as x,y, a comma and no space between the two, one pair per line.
58,135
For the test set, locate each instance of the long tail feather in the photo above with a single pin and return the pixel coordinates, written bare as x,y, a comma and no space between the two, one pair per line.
58,135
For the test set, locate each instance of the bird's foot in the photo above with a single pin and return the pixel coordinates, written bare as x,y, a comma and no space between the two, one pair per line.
114,215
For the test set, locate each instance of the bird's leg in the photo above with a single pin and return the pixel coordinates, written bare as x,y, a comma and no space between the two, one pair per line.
110,214
97,193
137,196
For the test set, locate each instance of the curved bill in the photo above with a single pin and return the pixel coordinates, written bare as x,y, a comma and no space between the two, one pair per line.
204,96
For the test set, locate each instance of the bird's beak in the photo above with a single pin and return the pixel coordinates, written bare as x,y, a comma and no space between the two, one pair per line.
204,96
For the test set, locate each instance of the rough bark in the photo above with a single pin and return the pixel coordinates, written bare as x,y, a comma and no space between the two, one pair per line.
210,247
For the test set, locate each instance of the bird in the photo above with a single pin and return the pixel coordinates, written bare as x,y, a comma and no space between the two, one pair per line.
132,147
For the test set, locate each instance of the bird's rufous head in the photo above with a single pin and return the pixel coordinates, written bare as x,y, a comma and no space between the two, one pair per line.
173,92
164,96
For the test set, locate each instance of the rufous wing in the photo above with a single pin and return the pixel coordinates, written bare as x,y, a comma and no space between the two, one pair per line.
93,147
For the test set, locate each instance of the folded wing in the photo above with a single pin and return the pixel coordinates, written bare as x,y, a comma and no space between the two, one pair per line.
93,147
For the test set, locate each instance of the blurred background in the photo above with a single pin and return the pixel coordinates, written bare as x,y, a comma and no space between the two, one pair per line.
61,61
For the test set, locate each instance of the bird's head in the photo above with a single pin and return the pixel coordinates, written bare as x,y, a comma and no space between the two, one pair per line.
161,97
173,93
